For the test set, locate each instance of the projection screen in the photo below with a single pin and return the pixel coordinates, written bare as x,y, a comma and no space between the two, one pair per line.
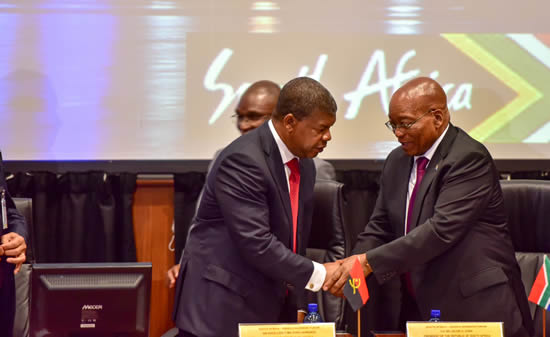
148,80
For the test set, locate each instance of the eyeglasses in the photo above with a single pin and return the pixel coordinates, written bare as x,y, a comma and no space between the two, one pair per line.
392,127
249,118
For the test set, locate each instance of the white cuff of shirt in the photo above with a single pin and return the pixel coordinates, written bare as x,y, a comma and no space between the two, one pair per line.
317,278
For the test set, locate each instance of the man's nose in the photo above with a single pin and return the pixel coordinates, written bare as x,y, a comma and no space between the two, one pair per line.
245,125
327,136
398,132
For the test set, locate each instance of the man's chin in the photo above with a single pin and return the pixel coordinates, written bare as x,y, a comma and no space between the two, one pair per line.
408,149
313,153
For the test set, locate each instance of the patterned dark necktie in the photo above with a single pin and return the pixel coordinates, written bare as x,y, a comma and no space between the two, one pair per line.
421,164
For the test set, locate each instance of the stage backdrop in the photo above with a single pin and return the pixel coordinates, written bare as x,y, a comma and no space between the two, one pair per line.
144,79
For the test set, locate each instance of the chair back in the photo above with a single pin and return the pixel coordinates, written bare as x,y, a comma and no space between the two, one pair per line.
527,203
328,243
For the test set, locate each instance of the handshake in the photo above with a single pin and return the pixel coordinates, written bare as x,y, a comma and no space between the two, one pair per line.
338,273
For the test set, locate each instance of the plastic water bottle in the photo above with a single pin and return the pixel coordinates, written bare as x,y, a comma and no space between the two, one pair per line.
435,316
313,315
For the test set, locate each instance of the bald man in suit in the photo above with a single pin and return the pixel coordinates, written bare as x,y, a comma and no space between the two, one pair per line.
439,222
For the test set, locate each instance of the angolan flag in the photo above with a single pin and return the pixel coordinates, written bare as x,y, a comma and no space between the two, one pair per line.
356,290
540,293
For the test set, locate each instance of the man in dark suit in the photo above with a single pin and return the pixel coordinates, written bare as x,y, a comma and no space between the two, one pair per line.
13,231
243,261
439,221
254,108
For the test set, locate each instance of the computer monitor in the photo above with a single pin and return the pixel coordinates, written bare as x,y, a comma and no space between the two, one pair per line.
90,299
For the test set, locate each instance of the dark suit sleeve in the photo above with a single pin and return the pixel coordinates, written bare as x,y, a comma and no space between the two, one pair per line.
465,191
241,189
16,222
378,230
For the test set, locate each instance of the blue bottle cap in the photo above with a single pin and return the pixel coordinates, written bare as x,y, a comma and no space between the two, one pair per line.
312,307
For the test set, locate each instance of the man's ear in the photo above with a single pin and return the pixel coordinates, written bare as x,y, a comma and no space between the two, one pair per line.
438,117
289,122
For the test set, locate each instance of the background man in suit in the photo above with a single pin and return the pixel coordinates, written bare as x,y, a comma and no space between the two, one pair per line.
439,222
12,254
255,107
243,257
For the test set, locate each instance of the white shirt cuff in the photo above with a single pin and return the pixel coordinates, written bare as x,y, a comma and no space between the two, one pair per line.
317,278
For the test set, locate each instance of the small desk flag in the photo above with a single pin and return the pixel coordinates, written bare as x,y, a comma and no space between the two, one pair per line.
356,290
540,292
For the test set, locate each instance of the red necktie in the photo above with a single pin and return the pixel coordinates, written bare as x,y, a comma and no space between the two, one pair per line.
421,163
294,183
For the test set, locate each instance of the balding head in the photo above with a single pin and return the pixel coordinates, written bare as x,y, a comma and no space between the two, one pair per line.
421,93
256,105
268,88
422,102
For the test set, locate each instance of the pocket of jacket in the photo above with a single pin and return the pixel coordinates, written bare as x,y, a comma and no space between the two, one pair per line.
227,279
484,279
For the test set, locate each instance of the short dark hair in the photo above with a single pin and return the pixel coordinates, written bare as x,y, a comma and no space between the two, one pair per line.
301,96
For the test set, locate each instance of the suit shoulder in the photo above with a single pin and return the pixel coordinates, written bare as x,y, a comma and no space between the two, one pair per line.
468,145
396,154
244,146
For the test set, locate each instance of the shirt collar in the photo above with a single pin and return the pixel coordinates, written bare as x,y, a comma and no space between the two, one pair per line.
430,153
286,155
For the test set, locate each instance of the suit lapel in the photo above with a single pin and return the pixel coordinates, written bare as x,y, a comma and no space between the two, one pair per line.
276,167
432,171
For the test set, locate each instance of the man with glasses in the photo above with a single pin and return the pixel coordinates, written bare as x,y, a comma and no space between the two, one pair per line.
439,223
256,105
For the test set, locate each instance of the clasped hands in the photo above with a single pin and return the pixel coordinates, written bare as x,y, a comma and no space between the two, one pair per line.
338,273
13,246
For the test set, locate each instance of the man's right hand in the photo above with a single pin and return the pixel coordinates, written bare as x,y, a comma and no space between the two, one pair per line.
172,275
331,268
335,283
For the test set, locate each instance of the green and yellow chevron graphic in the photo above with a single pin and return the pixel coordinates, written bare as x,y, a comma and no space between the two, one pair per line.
511,65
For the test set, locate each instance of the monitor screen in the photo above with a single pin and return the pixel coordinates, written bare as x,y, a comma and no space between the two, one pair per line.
90,299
